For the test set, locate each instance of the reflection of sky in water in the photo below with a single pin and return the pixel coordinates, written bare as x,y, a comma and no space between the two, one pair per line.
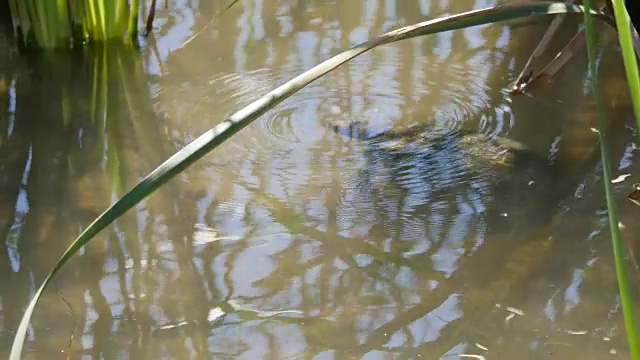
181,28
370,77
375,95
372,85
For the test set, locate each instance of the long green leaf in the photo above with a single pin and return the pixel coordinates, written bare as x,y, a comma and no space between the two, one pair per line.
121,13
93,26
624,287
628,55
132,30
236,122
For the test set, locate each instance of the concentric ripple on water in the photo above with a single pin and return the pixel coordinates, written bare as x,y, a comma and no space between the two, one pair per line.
293,149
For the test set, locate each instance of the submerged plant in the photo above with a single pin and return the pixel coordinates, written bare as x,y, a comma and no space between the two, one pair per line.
236,122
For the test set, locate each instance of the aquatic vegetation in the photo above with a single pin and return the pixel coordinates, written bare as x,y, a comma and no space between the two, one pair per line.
631,66
50,24
236,122
625,27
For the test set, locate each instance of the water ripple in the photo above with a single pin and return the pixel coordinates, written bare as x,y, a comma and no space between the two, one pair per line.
291,151
465,95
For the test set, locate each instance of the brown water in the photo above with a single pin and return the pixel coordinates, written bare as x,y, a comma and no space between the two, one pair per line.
292,240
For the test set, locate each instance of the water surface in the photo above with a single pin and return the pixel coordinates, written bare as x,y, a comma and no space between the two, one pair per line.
292,240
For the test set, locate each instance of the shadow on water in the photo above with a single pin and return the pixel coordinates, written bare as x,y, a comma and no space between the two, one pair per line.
292,240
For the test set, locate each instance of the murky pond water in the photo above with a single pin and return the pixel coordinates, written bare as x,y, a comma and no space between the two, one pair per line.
297,238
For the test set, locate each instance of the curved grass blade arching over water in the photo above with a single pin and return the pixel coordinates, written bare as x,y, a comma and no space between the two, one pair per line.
624,287
236,122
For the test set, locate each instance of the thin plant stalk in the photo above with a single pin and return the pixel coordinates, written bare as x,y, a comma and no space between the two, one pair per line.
133,20
628,55
150,17
533,63
120,16
624,287
211,22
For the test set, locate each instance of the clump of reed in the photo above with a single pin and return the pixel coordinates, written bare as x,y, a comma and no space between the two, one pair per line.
68,23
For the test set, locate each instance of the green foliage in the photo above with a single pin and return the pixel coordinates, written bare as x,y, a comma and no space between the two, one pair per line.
63,23
628,55
631,67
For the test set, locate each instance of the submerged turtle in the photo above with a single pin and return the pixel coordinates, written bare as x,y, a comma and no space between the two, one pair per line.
477,152
424,166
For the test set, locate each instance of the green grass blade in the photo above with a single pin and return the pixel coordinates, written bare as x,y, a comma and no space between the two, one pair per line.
40,22
35,25
15,18
102,15
52,25
109,9
93,25
63,22
628,55
624,286
25,20
134,8
236,122
120,17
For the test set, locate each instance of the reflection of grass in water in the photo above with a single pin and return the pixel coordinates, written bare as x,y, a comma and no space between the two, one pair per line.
479,303
520,265
79,155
